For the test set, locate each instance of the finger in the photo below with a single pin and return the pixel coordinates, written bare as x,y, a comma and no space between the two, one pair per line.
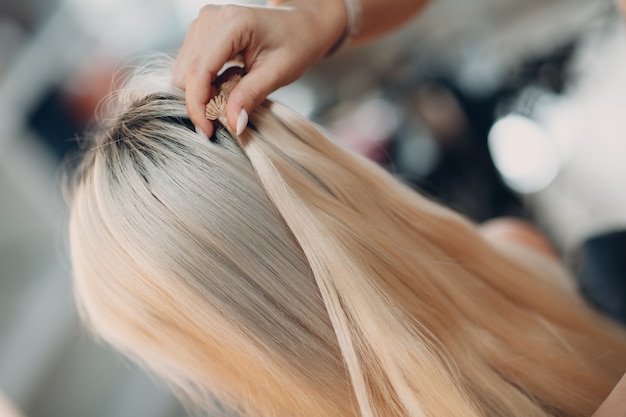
201,71
204,64
254,87
206,127
197,66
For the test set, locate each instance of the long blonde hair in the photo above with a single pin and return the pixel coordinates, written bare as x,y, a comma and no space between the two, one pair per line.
285,276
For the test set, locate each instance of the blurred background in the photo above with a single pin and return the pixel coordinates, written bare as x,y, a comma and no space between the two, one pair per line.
492,107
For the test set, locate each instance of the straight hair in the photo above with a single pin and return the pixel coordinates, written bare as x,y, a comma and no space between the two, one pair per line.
278,274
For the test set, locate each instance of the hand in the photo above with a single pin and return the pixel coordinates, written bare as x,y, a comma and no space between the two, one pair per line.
277,44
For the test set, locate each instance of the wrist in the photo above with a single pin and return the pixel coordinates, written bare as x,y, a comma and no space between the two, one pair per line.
352,17
327,21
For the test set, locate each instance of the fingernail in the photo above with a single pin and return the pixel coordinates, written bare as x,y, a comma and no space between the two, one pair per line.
242,121
201,132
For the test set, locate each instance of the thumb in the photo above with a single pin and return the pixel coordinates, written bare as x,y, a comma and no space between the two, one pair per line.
252,89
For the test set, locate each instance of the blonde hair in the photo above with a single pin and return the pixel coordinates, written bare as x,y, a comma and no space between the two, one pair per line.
285,276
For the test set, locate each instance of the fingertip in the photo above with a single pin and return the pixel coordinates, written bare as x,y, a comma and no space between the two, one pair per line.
206,130
250,92
234,109
200,131
242,121
209,128
197,116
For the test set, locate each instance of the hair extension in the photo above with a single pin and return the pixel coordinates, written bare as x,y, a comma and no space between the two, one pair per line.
282,275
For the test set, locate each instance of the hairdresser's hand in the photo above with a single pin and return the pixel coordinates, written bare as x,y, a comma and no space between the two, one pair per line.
278,44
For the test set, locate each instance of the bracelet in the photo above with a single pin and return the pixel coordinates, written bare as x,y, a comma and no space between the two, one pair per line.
354,10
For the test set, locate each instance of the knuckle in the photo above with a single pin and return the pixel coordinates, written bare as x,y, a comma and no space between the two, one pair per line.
236,15
207,10
231,10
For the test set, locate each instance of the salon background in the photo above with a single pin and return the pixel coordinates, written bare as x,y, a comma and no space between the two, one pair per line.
492,107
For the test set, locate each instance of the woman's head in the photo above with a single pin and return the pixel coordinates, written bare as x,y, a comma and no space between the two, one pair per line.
286,276
175,241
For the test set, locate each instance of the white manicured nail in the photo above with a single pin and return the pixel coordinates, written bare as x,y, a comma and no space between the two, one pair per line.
242,121
201,132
